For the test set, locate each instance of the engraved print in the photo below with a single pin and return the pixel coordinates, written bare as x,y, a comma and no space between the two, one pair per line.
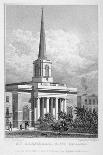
44,47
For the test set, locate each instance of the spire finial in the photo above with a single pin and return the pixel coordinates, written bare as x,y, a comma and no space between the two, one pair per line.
42,9
42,45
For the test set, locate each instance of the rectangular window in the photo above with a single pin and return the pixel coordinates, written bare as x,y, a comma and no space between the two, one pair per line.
7,98
45,100
90,110
7,111
85,101
90,101
93,101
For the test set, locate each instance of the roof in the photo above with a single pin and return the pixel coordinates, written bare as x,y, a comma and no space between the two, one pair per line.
19,83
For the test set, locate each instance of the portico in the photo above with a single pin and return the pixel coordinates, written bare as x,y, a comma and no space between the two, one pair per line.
51,105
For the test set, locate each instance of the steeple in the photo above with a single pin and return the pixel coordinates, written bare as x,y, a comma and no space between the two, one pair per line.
42,44
42,67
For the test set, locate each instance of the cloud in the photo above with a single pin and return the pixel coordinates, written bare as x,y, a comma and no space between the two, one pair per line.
72,57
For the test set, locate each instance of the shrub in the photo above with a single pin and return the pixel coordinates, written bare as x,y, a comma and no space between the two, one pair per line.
86,121
46,122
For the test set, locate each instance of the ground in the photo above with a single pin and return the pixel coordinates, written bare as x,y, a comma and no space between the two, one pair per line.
48,134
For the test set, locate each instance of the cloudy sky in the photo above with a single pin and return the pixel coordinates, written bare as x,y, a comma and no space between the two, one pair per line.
71,43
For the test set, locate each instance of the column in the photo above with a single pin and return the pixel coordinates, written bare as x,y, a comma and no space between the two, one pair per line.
61,104
51,106
35,104
41,108
65,108
47,105
56,109
54,105
30,113
38,108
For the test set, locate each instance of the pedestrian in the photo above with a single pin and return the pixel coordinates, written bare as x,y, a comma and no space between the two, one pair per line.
20,126
10,126
25,125
28,124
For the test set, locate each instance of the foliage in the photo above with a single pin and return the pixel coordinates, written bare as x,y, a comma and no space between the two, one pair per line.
63,116
46,122
86,121
64,122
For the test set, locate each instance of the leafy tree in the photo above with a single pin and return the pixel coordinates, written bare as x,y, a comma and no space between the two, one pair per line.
46,122
64,122
80,112
48,118
86,121
63,116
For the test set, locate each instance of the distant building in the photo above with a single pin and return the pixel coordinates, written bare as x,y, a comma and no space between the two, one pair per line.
89,102
28,101
71,102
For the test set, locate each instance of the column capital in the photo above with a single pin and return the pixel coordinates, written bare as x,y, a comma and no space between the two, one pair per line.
57,97
38,97
48,97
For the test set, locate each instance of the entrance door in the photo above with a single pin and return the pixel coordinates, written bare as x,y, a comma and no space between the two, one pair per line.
26,114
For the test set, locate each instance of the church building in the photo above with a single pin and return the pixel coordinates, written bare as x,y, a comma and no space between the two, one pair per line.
28,101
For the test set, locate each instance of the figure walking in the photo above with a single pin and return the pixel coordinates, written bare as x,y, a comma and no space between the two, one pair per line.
10,126
20,126
25,125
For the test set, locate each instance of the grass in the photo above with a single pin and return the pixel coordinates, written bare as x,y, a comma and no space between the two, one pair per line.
47,134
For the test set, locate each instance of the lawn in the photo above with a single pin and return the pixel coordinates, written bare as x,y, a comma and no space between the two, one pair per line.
47,134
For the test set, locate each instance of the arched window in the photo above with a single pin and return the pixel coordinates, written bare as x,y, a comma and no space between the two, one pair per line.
46,70
25,113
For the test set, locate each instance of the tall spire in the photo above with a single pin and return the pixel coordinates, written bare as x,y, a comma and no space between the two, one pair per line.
42,44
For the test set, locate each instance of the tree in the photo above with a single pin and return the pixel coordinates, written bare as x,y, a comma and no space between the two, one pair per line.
62,115
86,121
80,112
64,122
46,121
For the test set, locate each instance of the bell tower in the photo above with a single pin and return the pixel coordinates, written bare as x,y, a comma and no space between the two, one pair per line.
42,66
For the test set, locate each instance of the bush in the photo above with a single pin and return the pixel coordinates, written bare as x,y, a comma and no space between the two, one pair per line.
64,122
46,122
86,121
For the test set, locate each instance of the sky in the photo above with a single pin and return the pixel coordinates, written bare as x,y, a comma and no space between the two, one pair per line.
71,43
